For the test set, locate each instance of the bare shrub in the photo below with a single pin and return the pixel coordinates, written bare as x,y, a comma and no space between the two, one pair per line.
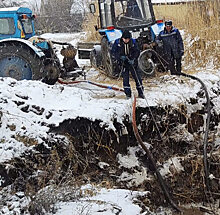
56,16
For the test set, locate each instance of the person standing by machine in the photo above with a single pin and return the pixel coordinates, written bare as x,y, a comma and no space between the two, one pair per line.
173,47
125,50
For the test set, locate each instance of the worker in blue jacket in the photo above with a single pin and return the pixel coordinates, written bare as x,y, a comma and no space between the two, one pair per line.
125,50
173,47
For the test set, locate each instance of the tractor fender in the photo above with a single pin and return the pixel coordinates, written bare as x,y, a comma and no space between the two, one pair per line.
27,43
111,35
156,29
20,59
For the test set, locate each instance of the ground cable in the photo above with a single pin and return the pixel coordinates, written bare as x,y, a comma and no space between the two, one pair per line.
92,83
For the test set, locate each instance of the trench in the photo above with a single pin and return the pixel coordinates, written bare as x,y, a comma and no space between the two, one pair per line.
91,142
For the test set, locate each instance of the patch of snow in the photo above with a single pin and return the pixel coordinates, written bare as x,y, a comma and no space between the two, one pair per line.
1,181
105,202
71,38
29,106
171,166
103,165
136,178
13,203
130,160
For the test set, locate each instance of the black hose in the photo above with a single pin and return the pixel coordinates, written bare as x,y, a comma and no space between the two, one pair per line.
149,154
205,142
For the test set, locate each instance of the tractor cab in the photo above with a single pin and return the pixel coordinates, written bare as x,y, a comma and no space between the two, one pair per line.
133,14
126,14
16,22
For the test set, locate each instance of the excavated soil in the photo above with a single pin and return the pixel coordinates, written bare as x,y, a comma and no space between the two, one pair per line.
77,161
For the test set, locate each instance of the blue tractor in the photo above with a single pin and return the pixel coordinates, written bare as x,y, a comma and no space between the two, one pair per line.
22,54
137,16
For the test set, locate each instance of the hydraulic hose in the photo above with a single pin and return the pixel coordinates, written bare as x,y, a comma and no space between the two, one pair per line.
205,141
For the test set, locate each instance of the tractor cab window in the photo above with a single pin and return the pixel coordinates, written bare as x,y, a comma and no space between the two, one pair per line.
132,13
27,25
7,26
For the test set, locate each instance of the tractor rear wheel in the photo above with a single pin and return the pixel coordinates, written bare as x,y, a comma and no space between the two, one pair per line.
19,62
110,68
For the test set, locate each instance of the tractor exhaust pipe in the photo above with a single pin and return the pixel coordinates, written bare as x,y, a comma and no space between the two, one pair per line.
108,14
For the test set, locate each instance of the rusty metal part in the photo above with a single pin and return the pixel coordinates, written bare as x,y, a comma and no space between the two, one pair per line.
68,52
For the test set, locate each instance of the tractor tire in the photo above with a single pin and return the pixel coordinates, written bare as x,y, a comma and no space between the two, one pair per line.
111,68
52,74
19,62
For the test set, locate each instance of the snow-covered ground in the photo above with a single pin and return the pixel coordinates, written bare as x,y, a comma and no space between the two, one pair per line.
28,107
103,201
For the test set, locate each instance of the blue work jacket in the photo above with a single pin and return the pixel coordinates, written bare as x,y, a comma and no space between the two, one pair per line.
172,43
118,50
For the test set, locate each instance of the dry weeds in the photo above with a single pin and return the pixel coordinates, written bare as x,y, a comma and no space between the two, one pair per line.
89,26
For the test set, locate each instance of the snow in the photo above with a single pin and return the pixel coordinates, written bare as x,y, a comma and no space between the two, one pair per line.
9,9
51,105
32,4
129,160
62,102
172,165
81,100
71,38
107,202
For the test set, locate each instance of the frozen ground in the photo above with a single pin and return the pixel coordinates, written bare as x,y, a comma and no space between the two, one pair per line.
28,107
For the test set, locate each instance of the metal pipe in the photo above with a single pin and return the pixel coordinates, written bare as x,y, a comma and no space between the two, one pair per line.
102,14
108,15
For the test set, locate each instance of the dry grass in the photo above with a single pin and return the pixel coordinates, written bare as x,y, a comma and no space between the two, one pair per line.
198,18
89,26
